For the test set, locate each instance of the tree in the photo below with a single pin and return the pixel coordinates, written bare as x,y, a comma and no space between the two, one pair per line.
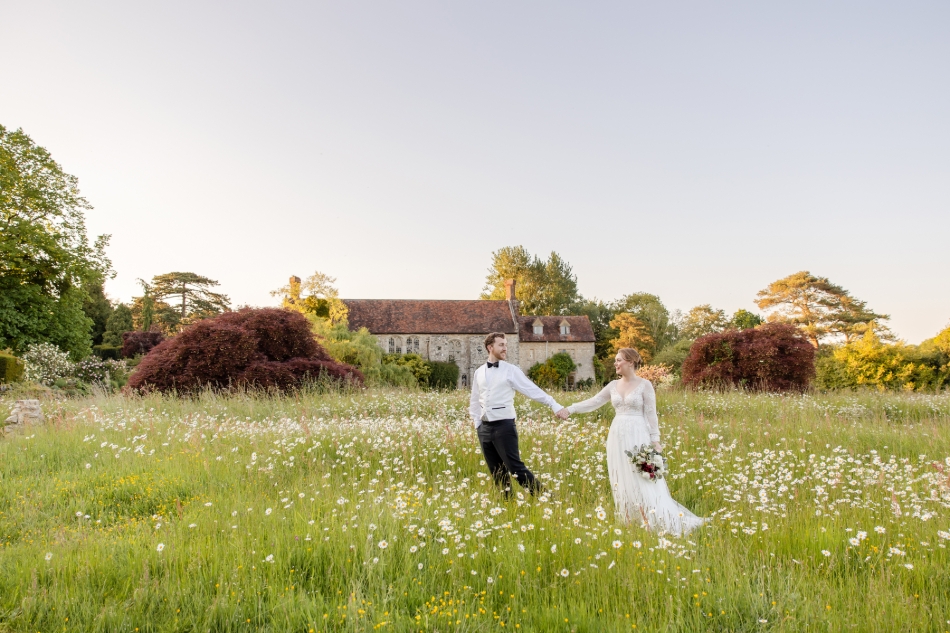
98,308
817,306
543,287
632,332
600,315
703,320
190,295
322,298
119,322
743,320
47,264
649,310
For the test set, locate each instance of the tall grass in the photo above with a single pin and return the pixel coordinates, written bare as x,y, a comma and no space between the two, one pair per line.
372,510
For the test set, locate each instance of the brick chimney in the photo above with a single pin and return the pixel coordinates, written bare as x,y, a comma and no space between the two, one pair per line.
510,289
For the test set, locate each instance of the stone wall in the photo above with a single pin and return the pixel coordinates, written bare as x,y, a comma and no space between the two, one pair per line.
581,353
465,350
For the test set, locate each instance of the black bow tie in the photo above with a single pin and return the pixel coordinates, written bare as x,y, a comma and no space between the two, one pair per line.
495,364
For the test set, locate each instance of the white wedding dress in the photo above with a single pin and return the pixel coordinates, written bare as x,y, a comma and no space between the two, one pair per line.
635,424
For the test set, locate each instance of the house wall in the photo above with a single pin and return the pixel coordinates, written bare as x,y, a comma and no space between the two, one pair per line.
581,353
465,350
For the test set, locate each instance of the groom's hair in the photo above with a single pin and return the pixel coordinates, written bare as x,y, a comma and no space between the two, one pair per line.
490,339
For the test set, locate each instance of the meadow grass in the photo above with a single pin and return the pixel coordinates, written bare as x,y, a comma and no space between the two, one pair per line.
372,510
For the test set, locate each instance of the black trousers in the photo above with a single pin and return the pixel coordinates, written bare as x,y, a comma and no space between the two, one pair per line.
499,440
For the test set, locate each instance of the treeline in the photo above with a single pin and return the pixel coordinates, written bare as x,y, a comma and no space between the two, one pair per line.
852,344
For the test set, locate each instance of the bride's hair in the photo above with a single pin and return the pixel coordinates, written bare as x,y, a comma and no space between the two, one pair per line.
630,355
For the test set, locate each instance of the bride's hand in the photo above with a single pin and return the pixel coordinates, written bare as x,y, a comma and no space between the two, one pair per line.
658,447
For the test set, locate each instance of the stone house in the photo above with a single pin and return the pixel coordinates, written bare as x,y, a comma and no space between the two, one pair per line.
455,330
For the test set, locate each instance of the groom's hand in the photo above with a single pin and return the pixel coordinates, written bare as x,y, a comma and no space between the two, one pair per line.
563,413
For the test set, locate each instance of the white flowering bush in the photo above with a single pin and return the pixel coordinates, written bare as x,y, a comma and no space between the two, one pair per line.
45,363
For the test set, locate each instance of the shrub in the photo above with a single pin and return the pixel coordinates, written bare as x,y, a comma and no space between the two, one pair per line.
11,368
45,363
443,375
868,362
267,348
673,355
545,375
136,343
419,367
660,375
562,363
107,352
391,375
772,357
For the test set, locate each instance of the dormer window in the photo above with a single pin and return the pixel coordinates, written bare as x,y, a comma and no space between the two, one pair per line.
565,328
538,326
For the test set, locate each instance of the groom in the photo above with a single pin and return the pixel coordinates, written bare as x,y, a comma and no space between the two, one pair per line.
493,411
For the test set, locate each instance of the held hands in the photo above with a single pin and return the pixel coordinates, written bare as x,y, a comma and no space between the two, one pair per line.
563,413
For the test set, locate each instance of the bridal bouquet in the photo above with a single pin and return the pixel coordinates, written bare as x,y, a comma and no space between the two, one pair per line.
648,462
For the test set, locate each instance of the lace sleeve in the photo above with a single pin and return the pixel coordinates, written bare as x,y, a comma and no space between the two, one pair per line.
591,404
649,411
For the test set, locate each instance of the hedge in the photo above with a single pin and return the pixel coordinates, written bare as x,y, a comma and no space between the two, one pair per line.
11,368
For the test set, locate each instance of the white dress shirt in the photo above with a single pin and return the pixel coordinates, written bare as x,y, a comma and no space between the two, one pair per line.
493,393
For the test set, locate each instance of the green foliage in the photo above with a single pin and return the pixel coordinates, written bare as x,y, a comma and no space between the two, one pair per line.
543,287
674,355
544,375
185,298
743,320
322,298
553,372
443,375
119,322
419,367
600,314
390,375
107,352
703,320
563,363
360,349
98,308
819,308
11,368
46,260
869,362
649,309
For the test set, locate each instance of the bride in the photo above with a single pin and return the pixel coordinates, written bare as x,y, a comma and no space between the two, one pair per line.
635,424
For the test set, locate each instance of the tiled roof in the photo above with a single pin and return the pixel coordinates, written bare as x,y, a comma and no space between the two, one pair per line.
411,316
581,330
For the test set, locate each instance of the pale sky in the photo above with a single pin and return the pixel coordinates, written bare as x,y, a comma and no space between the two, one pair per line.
694,150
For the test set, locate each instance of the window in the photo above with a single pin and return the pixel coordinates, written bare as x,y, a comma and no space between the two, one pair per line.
392,345
415,345
565,328
538,326
465,380
455,350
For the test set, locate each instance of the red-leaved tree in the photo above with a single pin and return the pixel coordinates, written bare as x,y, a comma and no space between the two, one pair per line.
135,343
266,347
771,357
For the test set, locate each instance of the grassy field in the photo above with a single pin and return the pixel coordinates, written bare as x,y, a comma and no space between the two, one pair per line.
372,511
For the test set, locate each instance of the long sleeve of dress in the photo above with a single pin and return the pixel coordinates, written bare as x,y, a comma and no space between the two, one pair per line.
649,412
591,404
